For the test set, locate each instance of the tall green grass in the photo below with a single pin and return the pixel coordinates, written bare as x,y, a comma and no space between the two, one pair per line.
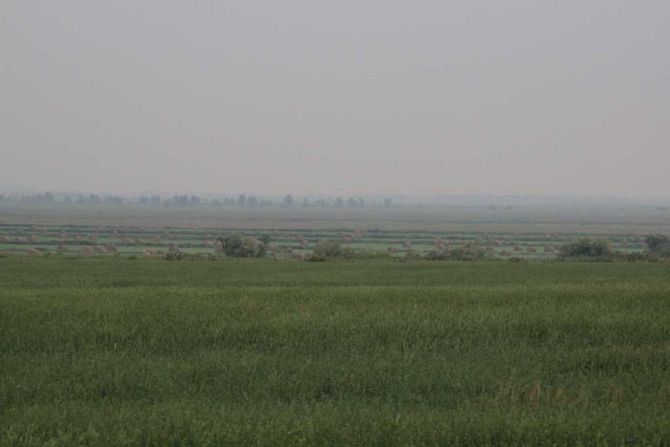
118,352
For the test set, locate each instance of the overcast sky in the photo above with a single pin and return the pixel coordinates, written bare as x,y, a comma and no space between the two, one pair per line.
307,96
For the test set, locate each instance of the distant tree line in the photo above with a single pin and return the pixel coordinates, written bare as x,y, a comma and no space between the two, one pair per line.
30,198
240,200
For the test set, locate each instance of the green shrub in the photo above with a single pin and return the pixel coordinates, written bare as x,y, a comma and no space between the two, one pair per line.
658,245
325,250
411,255
633,257
465,253
173,254
370,254
588,249
235,246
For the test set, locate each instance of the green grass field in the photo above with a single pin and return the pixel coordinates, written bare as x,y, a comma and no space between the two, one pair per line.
110,351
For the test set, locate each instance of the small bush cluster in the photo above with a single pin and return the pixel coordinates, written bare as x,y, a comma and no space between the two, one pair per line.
326,250
600,250
587,249
370,254
658,246
173,254
465,253
236,246
411,255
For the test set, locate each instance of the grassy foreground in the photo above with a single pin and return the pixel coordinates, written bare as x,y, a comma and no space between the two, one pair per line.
120,352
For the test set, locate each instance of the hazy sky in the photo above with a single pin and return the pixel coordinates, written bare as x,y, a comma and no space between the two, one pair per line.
307,96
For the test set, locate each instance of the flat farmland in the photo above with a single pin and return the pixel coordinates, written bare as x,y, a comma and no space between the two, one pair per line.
112,351
531,232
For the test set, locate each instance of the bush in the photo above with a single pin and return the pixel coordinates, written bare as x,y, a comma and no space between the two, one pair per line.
371,254
658,245
326,250
634,257
173,254
411,255
588,249
235,246
465,253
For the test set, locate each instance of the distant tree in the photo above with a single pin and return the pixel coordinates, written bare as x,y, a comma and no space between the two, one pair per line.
68,200
155,200
339,202
49,198
305,202
387,203
361,202
112,200
352,202
242,200
194,200
288,200
181,200
143,200
252,201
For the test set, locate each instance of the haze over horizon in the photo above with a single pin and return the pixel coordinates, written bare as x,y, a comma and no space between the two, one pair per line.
534,97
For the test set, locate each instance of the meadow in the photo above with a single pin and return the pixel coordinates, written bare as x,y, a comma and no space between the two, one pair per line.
112,351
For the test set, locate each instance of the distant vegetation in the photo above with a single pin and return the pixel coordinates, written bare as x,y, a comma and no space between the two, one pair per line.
190,200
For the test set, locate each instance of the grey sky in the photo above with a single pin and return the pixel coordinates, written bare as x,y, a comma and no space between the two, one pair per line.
432,97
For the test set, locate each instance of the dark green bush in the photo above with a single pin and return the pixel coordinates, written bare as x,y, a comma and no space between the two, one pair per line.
465,253
633,257
588,249
326,250
370,254
411,255
173,254
658,245
235,246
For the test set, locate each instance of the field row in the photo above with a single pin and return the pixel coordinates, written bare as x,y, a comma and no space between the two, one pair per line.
96,240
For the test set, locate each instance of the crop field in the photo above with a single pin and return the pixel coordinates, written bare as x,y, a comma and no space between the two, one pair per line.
112,351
